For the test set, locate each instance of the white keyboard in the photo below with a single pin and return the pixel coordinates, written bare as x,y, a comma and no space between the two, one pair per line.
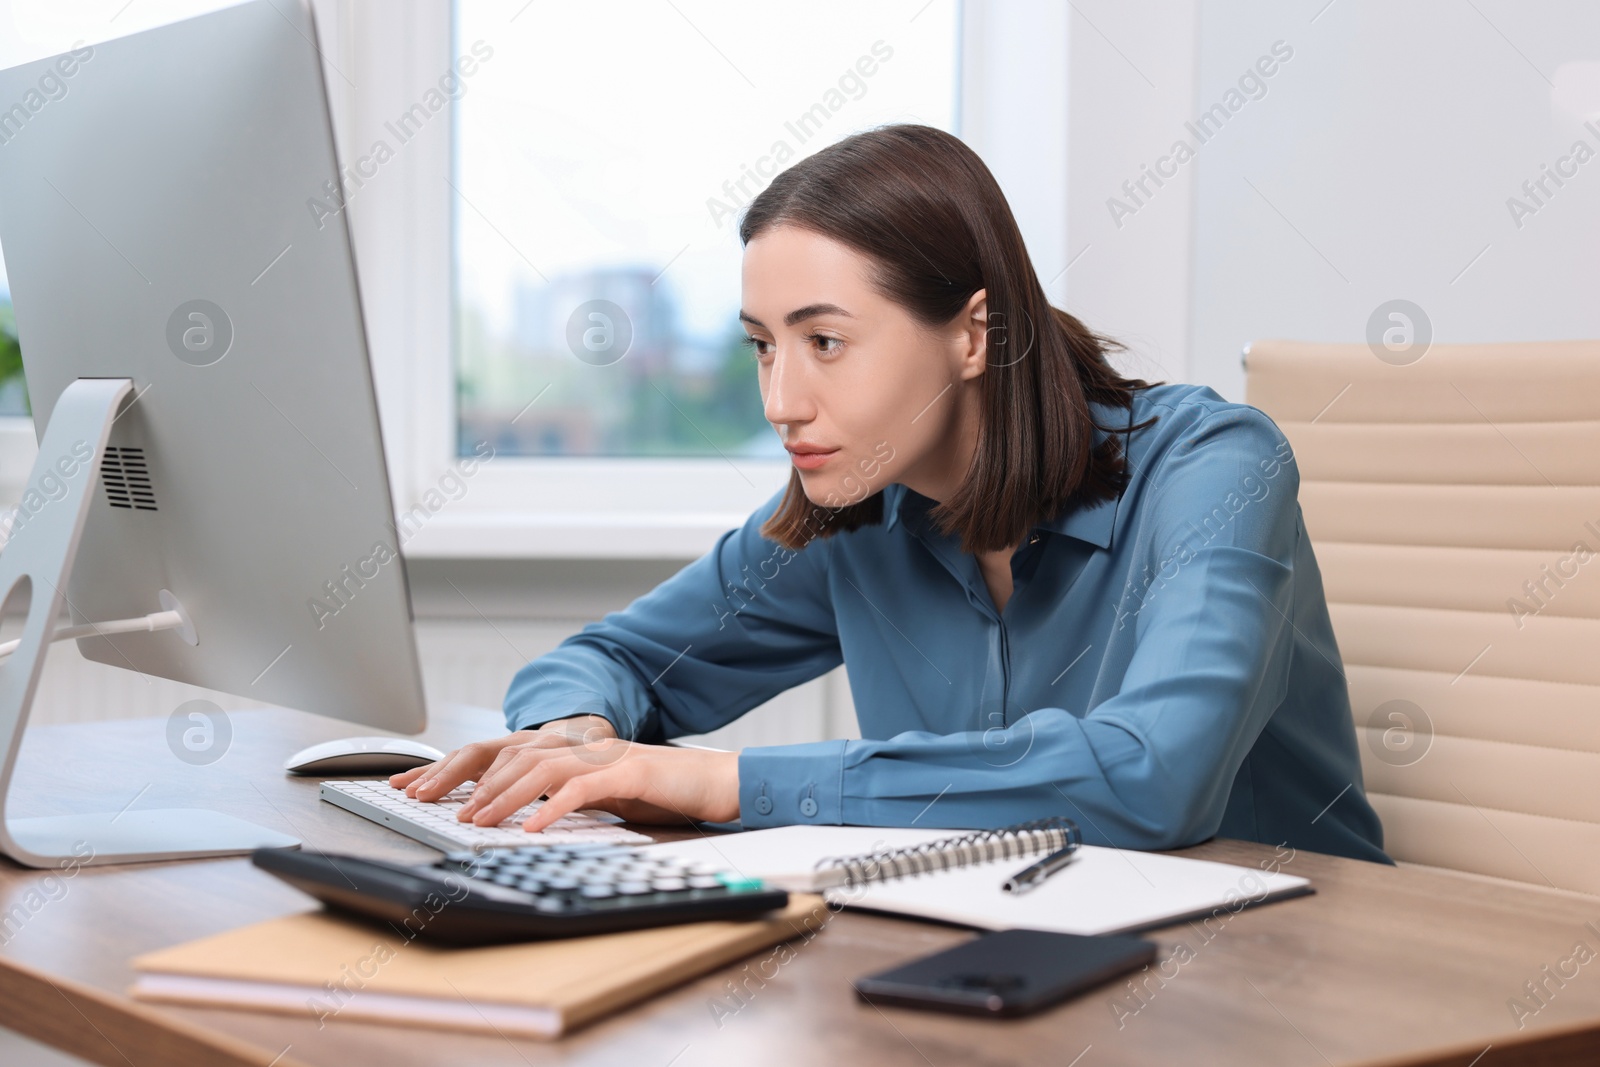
434,822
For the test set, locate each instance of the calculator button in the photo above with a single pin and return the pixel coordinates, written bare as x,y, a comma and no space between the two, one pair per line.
738,882
668,885
562,883
633,888
550,904
705,881
598,891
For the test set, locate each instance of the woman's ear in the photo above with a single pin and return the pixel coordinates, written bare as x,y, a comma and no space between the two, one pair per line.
973,333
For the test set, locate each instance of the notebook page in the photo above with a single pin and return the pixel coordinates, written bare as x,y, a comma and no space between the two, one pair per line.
1102,891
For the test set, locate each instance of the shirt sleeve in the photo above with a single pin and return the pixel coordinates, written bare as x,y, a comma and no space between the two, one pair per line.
731,630
1150,767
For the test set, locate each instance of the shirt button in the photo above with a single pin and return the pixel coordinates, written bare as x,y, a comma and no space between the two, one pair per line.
763,805
808,807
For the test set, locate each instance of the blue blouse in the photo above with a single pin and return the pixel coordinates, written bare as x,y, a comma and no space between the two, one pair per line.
1164,671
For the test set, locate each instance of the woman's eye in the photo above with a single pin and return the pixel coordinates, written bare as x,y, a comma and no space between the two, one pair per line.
826,346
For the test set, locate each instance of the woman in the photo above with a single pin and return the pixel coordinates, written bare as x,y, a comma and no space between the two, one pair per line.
1058,590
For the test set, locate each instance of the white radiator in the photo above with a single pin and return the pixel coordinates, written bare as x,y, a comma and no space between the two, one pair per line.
467,662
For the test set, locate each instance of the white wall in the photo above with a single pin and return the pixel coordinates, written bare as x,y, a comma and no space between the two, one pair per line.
1014,78
1131,84
1376,166
1381,160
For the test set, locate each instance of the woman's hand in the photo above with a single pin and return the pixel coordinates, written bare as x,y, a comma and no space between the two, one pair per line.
582,766
641,783
472,762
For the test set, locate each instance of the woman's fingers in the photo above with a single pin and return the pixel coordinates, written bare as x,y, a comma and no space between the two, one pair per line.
511,763
546,742
525,779
462,765
405,778
483,790
579,791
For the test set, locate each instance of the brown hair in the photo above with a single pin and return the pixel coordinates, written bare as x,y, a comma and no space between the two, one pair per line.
925,209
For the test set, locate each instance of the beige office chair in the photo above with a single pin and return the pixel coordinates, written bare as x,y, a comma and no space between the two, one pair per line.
1454,505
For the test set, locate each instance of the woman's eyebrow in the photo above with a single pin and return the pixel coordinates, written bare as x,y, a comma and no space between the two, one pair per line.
798,314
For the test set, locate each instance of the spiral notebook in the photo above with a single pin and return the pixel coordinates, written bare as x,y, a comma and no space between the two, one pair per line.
955,876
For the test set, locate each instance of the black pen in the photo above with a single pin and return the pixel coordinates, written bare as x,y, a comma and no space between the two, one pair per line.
1033,875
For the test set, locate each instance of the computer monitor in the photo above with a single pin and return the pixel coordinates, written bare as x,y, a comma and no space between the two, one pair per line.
197,367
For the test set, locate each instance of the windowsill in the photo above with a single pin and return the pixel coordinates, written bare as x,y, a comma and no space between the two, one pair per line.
532,535
456,533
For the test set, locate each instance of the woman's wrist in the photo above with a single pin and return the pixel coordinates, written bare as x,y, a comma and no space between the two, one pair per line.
729,793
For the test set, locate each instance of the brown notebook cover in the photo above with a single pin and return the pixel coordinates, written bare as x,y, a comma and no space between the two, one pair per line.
331,968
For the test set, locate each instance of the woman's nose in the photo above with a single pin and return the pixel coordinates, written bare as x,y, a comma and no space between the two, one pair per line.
787,399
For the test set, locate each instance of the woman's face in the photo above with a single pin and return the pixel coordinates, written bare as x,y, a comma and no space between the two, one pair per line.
860,393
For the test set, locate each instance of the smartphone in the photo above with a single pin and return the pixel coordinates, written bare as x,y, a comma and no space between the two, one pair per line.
1010,972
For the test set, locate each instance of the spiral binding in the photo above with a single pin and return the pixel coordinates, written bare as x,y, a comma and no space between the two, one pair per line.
1039,835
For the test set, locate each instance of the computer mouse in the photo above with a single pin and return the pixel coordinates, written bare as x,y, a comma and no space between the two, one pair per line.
360,756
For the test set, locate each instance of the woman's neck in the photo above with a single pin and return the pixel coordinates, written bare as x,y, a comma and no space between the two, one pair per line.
939,473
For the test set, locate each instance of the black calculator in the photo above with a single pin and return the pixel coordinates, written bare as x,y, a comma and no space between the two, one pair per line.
524,894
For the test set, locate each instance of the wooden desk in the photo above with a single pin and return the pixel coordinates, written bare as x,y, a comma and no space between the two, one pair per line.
1381,966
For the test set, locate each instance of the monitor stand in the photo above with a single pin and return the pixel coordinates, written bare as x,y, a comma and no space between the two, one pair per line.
40,554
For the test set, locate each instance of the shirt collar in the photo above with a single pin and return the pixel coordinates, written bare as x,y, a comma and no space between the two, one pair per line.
1092,524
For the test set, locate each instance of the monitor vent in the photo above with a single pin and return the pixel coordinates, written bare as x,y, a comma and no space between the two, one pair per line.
127,479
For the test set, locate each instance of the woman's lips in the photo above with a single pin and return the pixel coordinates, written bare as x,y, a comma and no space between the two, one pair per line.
810,461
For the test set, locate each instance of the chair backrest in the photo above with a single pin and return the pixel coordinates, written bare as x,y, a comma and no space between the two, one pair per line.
1454,506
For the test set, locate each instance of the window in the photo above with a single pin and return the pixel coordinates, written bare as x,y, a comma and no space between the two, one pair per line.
602,155
13,390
